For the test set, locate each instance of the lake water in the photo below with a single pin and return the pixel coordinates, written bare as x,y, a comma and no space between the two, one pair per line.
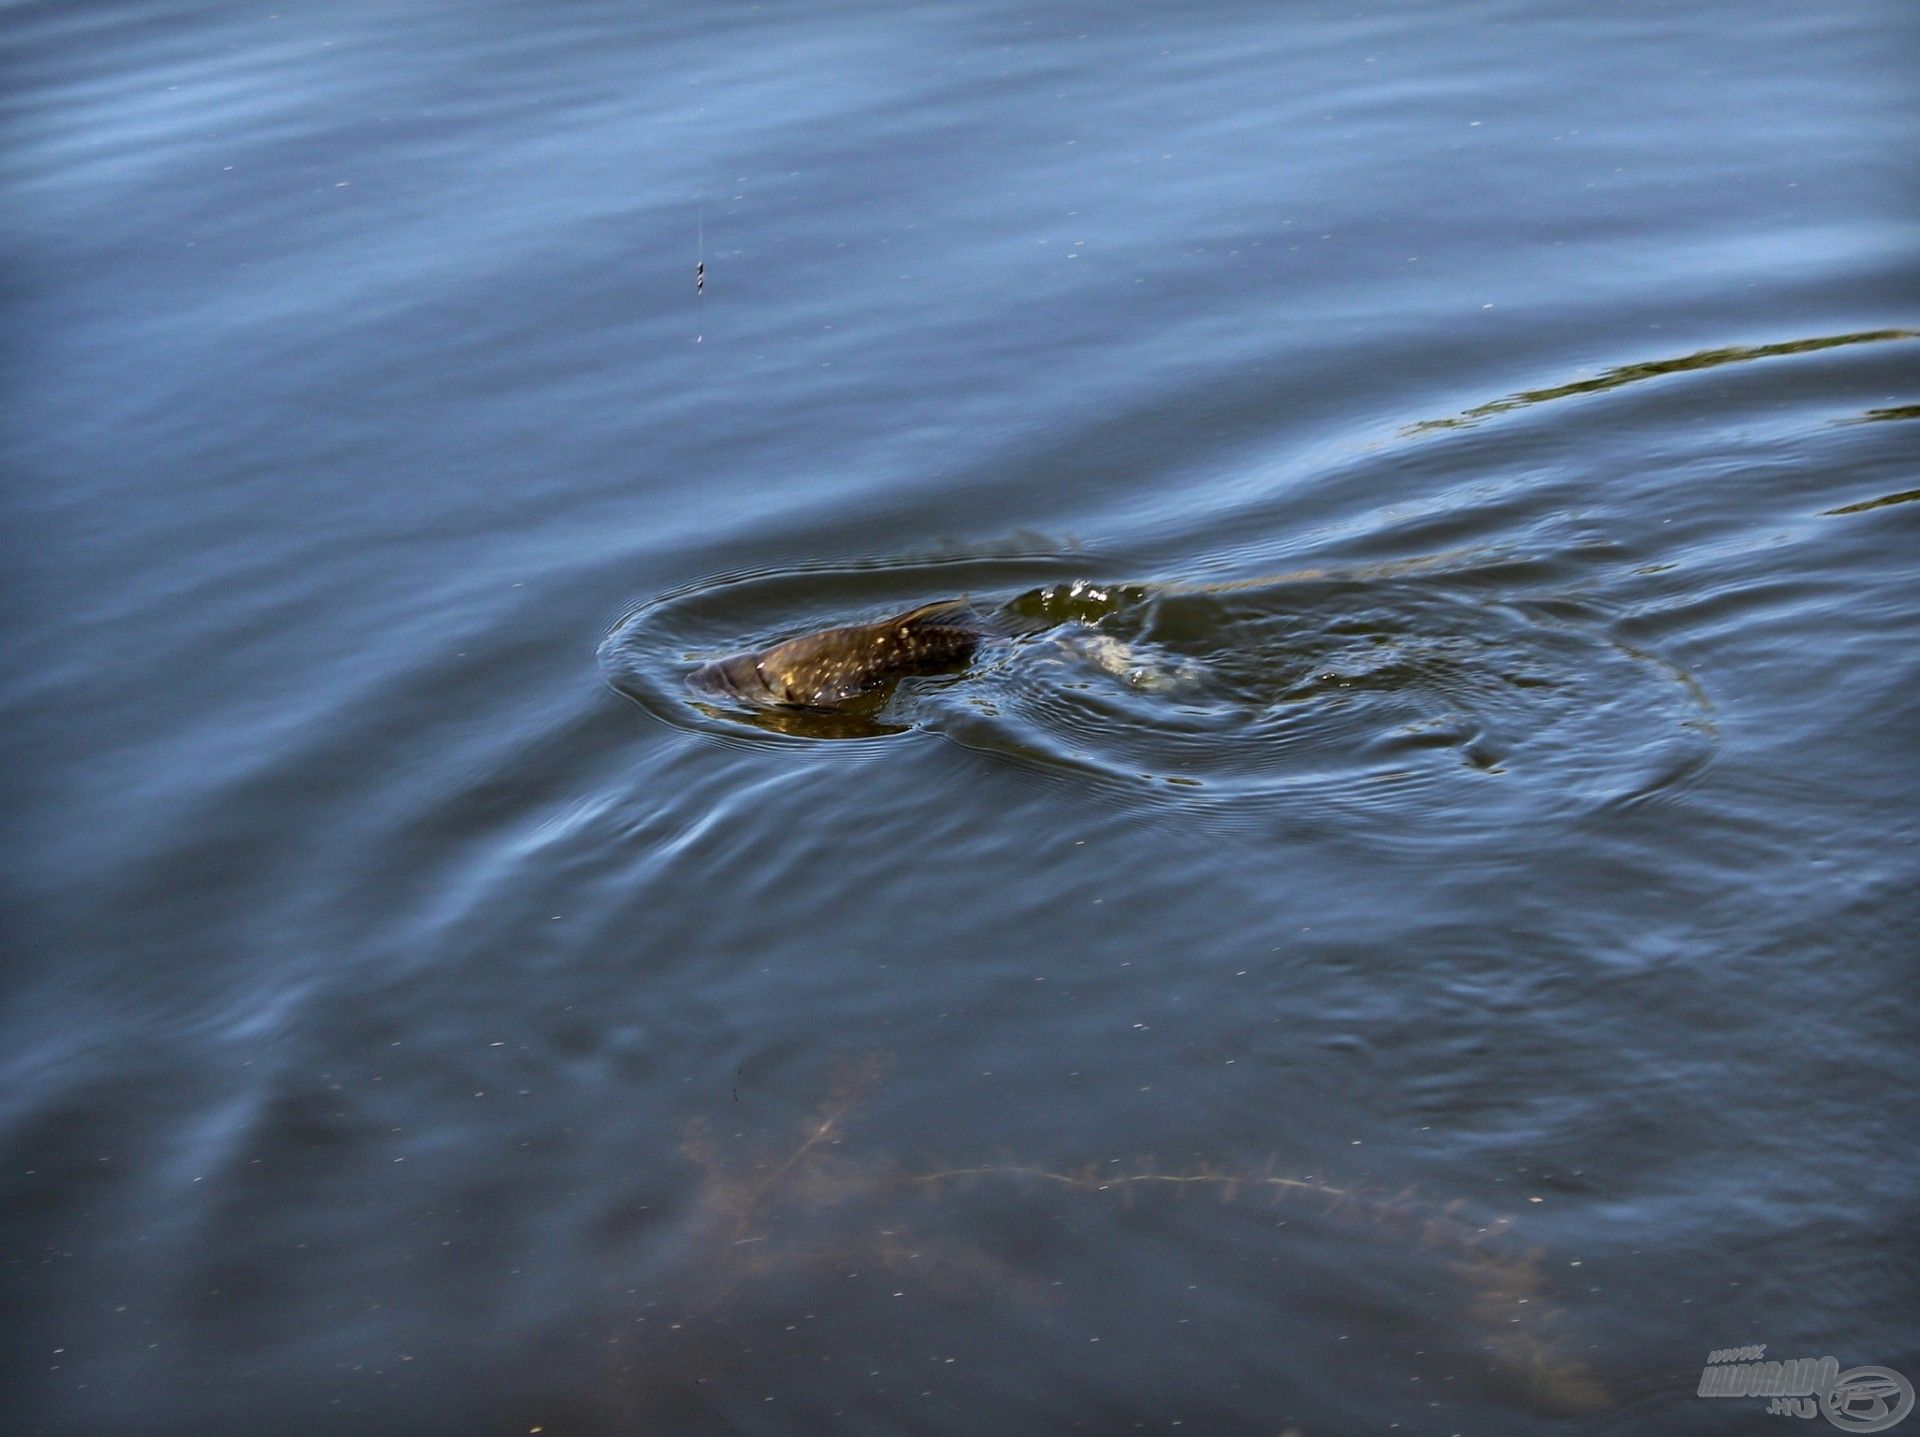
1413,936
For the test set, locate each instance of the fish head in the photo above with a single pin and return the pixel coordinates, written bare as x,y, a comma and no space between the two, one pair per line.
737,677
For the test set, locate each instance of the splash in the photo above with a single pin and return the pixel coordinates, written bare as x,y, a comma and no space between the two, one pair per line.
1422,689
1427,697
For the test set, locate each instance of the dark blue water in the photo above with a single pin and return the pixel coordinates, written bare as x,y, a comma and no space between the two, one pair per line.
1413,935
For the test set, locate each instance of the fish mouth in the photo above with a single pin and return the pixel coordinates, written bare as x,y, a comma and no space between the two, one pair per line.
708,683
738,678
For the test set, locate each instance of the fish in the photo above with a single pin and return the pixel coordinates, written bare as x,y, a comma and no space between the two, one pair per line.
825,669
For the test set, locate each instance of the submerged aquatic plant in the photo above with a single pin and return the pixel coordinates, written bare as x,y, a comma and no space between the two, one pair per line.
810,1207
1509,1298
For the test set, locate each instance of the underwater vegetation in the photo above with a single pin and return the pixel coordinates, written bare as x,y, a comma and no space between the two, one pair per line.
813,1207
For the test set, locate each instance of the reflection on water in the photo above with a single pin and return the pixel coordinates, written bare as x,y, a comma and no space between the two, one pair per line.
856,718
1654,369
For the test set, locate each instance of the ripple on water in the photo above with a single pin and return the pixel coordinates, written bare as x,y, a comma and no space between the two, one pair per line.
1420,693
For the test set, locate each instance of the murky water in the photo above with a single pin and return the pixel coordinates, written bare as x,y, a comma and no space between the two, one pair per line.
1404,929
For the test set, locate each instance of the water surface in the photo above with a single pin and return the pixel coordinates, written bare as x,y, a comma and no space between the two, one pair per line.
1466,992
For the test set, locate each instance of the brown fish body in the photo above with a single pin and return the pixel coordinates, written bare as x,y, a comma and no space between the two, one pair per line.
822,669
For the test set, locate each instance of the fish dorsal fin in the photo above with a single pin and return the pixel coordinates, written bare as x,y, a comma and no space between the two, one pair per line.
942,613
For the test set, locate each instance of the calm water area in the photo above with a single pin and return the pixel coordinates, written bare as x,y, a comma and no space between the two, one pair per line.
1414,933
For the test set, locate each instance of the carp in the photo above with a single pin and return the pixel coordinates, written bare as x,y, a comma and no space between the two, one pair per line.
826,668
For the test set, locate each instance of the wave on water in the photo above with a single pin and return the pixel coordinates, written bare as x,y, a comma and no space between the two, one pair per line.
1412,687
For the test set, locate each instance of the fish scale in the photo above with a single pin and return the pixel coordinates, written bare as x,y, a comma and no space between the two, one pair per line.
825,668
